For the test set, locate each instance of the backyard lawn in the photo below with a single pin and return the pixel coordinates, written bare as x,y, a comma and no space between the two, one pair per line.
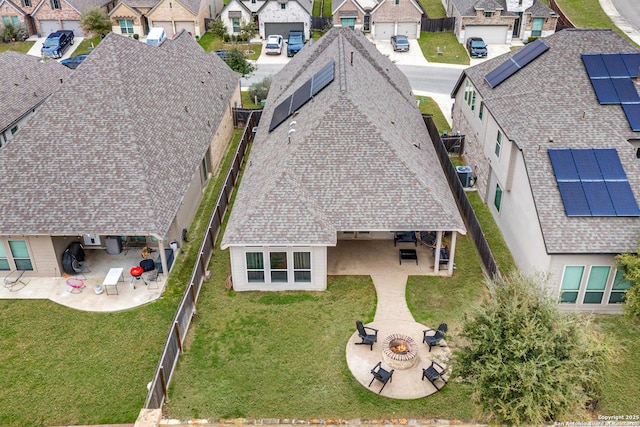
429,106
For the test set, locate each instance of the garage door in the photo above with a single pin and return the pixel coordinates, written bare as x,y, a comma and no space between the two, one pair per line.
48,27
282,28
383,30
74,26
190,26
167,25
409,29
491,34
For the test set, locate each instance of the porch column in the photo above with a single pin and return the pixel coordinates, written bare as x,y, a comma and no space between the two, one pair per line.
163,256
452,252
436,257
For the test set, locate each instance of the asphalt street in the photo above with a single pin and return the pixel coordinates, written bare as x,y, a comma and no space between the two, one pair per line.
629,10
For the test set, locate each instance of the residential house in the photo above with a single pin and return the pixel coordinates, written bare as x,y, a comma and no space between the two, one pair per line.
116,151
272,16
53,15
130,17
383,18
501,21
188,15
26,84
341,153
527,109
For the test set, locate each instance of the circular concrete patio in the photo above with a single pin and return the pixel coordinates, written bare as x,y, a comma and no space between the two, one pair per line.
405,383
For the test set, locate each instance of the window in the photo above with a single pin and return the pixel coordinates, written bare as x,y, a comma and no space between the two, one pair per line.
15,21
204,169
283,6
253,1
519,2
619,288
571,280
470,95
397,1
55,4
255,267
4,262
481,112
126,26
278,266
497,200
536,29
236,24
302,267
487,14
26,3
348,22
20,254
6,20
498,144
598,276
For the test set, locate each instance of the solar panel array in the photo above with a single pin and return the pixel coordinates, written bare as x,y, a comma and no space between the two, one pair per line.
309,89
592,182
610,75
509,67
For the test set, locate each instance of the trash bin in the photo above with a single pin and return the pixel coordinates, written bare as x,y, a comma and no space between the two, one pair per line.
464,175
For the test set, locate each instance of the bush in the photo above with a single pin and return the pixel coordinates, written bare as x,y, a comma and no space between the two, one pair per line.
95,21
526,362
630,264
136,36
237,62
218,28
12,33
260,89
226,38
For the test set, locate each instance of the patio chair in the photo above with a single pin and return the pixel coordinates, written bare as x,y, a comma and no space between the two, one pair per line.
149,265
14,280
381,375
434,339
433,373
367,338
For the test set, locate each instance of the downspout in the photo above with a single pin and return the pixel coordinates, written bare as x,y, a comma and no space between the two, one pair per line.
436,258
163,256
452,252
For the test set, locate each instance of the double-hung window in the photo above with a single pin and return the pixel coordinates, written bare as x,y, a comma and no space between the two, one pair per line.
236,25
278,264
597,282
255,267
55,4
571,280
126,26
619,288
498,144
4,261
302,266
497,199
536,28
20,254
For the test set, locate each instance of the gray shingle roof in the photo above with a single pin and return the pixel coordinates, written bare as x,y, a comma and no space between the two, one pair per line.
351,163
468,7
26,82
114,150
539,10
84,5
553,97
141,3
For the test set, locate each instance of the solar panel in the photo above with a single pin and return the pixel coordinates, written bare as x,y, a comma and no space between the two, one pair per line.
530,52
281,113
633,115
322,78
594,65
610,165
563,165
510,66
587,165
605,91
614,64
574,199
632,62
301,96
626,90
624,202
598,198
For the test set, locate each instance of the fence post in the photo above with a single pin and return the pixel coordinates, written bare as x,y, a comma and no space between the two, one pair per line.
163,381
177,329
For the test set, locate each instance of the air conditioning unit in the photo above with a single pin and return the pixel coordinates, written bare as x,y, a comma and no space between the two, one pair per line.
464,174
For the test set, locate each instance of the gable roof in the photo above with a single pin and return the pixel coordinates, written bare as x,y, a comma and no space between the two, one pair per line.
362,5
14,6
307,5
414,3
247,6
469,7
537,9
192,6
133,6
26,83
114,150
79,6
360,157
552,98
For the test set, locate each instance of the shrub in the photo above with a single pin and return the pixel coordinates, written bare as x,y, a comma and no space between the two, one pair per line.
260,89
218,28
226,37
526,362
238,62
95,21
136,36
630,264
12,32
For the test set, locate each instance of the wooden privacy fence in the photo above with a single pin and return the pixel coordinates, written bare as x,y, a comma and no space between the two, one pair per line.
469,216
186,309
437,25
321,22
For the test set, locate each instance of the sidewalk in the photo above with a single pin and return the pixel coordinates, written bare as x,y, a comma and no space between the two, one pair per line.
619,21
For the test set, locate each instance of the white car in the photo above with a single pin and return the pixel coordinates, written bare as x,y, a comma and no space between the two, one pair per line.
274,45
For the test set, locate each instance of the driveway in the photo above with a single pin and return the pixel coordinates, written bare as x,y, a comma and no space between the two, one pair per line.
413,57
493,50
37,46
273,59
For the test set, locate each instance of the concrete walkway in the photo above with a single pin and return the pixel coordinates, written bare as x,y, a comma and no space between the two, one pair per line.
619,21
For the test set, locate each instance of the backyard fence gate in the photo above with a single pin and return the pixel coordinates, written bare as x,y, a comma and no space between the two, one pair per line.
437,25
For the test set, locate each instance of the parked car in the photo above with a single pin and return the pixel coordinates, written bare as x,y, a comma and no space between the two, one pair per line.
57,43
476,47
223,54
274,45
400,43
295,42
74,61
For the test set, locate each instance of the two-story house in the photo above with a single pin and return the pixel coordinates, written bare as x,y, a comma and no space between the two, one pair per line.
383,18
272,16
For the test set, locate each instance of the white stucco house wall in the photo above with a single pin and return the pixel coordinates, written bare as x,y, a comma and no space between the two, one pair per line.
272,16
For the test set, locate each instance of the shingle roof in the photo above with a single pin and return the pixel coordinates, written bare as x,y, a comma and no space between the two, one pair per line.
114,150
84,5
537,9
351,163
26,82
140,3
552,97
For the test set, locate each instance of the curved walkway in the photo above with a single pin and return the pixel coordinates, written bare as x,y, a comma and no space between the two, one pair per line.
619,21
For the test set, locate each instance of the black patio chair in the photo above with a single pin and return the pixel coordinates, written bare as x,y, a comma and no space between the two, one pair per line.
433,374
435,339
381,375
367,338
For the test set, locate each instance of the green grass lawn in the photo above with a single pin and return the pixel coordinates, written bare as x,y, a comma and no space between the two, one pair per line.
433,8
428,106
211,43
86,45
22,47
452,51
66,367
247,101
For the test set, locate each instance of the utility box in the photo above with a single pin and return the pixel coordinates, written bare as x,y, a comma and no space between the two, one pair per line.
113,244
464,175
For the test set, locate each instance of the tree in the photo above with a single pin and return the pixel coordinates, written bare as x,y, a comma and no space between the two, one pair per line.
218,28
260,90
630,264
95,21
526,362
239,63
247,30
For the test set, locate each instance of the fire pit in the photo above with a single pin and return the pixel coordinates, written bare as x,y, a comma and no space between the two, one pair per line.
400,351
